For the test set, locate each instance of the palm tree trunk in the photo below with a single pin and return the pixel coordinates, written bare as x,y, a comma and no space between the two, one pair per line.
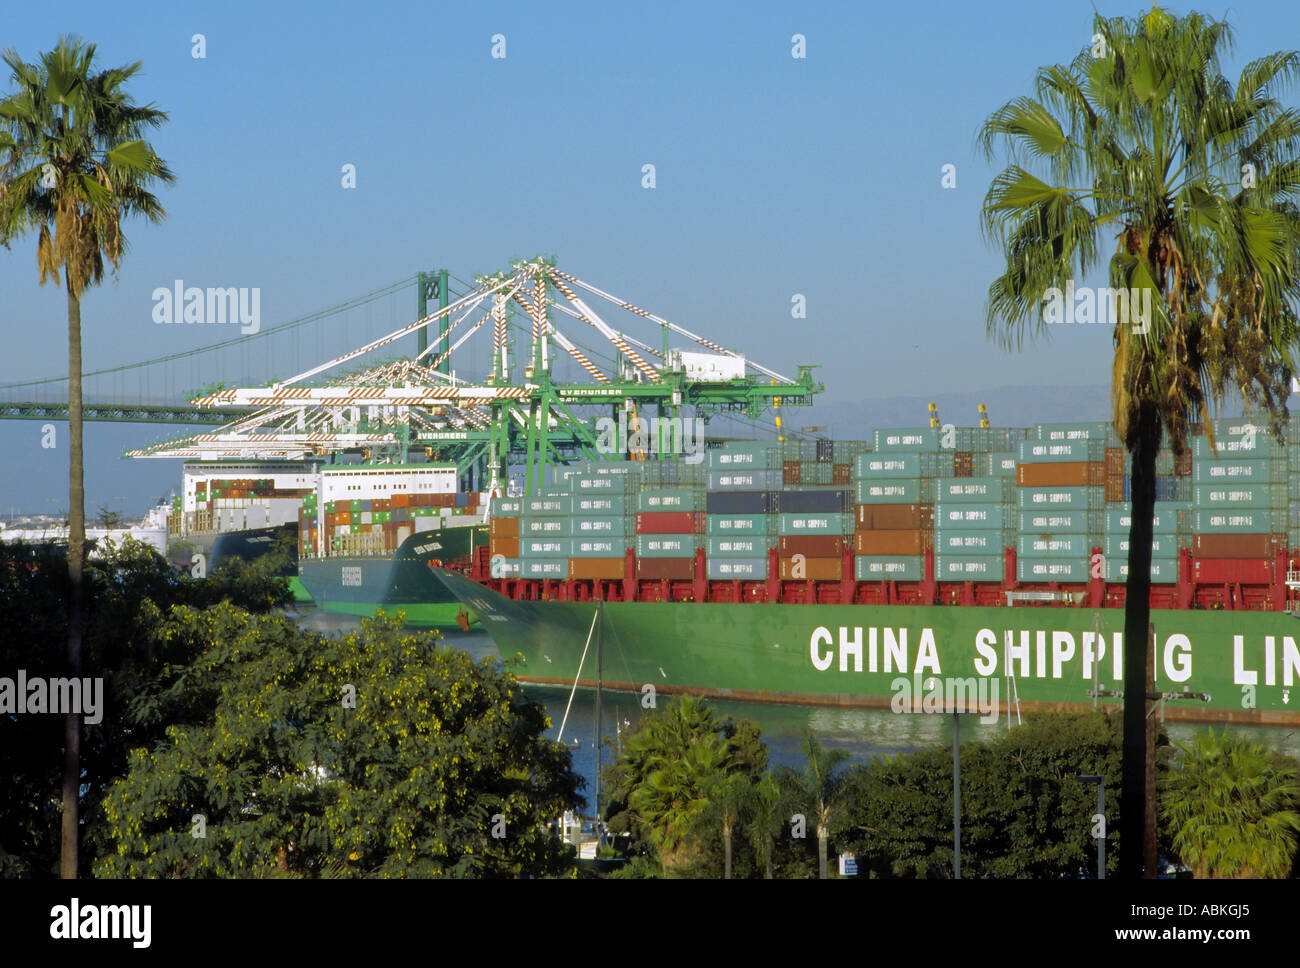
726,848
1137,616
68,857
821,853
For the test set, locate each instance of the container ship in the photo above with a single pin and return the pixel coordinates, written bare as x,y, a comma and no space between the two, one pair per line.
370,535
855,573
239,509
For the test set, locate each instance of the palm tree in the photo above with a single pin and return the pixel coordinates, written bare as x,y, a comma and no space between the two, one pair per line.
819,790
1232,807
1144,136
676,793
766,817
72,165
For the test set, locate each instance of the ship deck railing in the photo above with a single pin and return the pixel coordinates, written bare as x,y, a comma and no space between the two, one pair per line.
1073,598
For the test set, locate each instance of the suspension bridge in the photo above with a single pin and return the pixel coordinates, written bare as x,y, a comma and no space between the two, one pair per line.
530,394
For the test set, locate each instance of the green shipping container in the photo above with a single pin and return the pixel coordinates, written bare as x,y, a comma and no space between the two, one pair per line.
545,568
898,464
721,459
1239,521
584,527
969,568
1050,521
914,438
598,504
505,507
1062,498
1166,519
1258,443
736,569
888,492
1162,546
533,527
814,523
1164,571
1052,569
1224,496
670,499
612,547
666,545
948,515
1222,471
909,568
1060,451
545,547
974,490
1065,546
546,505
740,524
1090,430
987,542
737,546
1001,465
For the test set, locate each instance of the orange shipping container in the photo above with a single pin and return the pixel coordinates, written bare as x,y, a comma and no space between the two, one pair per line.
891,542
811,569
596,568
503,528
1063,474
343,517
1114,489
400,501
505,547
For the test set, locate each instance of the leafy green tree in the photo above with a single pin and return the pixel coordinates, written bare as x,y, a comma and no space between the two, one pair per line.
1023,812
819,790
372,754
128,589
73,164
1143,137
1232,807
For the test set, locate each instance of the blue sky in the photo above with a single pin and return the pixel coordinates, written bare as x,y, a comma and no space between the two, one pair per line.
774,176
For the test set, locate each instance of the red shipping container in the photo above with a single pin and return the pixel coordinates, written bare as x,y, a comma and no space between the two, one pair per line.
811,545
842,474
1245,571
895,517
790,472
1234,546
1115,490
674,569
670,522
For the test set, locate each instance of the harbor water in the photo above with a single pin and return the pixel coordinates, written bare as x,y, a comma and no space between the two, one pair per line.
863,734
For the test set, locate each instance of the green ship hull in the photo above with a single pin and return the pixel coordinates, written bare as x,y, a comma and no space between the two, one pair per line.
404,581
1240,666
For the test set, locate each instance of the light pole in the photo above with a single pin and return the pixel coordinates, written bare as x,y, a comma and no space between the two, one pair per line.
1101,812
